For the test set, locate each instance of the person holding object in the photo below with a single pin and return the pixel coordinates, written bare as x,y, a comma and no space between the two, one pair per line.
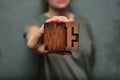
54,66
33,42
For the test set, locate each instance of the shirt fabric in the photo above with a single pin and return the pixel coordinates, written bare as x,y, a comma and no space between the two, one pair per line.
76,66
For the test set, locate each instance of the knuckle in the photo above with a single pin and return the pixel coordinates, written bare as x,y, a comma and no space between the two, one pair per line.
30,46
55,17
40,51
47,20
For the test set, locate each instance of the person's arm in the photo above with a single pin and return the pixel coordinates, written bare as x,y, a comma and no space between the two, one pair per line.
34,35
31,24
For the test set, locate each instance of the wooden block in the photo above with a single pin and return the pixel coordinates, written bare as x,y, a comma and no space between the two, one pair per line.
72,36
55,36
59,36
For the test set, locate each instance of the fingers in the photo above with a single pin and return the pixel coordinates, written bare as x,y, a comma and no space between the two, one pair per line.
41,49
59,19
53,19
41,30
63,19
71,20
32,37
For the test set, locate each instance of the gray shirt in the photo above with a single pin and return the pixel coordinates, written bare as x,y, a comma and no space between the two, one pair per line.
78,65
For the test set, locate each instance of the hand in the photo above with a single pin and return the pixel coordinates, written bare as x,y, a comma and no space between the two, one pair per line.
35,38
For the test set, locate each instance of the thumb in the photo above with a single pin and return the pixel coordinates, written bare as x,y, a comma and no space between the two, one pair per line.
41,30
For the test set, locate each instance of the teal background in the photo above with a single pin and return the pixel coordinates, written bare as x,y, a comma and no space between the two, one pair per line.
17,62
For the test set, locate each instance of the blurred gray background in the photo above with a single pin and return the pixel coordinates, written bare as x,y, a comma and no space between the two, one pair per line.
16,62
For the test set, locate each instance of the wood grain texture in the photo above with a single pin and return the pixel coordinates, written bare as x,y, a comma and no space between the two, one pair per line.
59,36
55,36
72,36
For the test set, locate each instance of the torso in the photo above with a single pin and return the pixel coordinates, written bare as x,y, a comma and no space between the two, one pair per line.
70,67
